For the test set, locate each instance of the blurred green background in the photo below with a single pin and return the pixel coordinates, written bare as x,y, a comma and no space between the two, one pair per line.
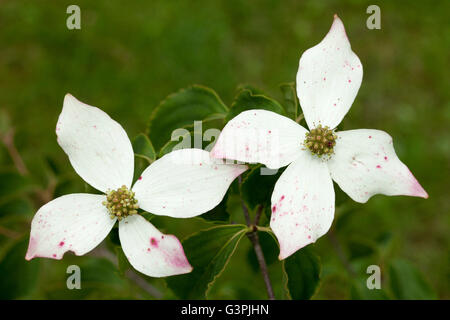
129,55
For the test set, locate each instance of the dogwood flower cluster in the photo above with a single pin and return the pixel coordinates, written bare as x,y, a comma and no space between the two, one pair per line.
362,162
186,183
182,184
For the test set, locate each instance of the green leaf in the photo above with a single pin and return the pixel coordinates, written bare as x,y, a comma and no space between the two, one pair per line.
143,147
291,101
208,252
198,137
407,282
256,189
250,88
303,270
181,109
247,100
140,164
18,276
180,141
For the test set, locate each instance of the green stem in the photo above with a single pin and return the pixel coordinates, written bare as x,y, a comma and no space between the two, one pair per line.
264,229
254,239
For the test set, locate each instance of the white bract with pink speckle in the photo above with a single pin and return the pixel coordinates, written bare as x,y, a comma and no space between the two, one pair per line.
362,162
184,183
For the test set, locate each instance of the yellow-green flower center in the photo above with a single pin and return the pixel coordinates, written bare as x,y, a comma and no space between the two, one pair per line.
121,203
320,141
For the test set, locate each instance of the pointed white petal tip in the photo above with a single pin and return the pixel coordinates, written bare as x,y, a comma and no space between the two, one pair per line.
337,34
31,249
416,189
178,263
32,252
68,96
286,252
72,104
337,24
71,101
181,262
30,255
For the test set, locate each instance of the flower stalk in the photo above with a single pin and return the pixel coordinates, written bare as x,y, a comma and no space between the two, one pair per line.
254,239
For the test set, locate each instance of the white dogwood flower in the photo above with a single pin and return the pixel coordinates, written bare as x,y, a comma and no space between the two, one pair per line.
362,162
181,184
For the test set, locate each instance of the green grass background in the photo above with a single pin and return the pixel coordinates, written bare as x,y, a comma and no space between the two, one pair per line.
129,55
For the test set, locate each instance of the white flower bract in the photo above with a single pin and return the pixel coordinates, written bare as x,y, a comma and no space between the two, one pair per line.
184,183
363,162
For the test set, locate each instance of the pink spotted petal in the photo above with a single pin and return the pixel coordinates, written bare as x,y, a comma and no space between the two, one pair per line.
328,78
365,164
149,251
74,222
302,204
